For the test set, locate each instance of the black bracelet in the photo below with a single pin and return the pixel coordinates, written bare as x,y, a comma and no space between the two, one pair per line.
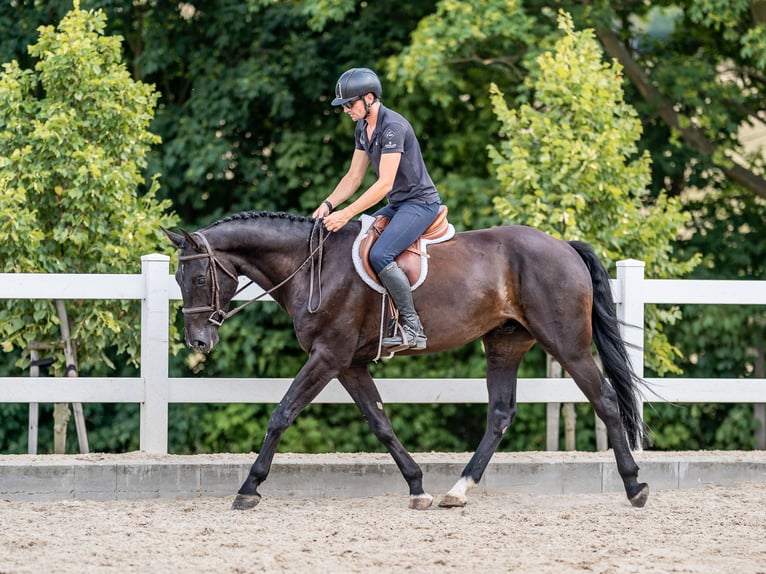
328,204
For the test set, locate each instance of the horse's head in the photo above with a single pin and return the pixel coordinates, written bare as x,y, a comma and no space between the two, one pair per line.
207,286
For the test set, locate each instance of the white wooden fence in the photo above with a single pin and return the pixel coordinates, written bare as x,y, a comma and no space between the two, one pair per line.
154,390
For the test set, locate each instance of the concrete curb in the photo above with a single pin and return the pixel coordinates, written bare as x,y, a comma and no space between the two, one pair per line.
140,475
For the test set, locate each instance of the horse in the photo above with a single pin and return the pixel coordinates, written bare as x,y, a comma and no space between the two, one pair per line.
511,286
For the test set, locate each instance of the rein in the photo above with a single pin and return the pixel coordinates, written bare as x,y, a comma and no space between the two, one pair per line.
217,314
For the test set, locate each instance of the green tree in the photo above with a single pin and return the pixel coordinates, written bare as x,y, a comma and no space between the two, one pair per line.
718,341
73,144
698,69
245,121
569,164
694,72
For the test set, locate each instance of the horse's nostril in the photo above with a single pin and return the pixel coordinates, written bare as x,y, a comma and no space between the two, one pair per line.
202,340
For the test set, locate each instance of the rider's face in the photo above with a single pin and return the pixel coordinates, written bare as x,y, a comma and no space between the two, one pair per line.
355,108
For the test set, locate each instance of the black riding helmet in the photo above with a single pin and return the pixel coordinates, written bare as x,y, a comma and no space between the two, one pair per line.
355,83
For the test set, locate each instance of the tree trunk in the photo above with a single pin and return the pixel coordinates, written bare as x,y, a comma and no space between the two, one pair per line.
34,411
60,423
554,371
758,11
570,424
759,410
61,416
552,426
567,409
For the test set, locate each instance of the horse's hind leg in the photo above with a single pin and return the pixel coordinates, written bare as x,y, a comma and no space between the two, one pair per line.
579,363
602,396
359,384
504,348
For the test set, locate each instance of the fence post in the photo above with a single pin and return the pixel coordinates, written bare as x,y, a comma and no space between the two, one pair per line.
155,312
630,312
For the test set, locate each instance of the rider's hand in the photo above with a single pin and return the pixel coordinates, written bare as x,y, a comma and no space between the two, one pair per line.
321,211
336,220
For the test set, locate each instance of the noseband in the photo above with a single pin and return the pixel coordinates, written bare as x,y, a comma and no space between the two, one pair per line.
217,314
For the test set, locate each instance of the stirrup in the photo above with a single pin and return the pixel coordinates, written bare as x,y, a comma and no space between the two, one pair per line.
405,338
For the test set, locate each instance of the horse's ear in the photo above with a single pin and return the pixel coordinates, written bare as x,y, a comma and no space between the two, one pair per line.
191,241
176,239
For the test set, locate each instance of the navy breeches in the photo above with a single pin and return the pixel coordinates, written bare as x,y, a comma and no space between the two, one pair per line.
408,222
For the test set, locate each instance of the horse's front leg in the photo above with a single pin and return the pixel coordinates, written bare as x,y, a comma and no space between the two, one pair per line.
311,379
359,384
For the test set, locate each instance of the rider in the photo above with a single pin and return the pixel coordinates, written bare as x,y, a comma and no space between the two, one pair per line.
387,140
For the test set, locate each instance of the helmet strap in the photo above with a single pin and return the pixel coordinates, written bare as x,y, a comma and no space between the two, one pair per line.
368,106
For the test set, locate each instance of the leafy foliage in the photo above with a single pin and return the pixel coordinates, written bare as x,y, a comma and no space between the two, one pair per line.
569,165
461,33
245,122
718,341
73,143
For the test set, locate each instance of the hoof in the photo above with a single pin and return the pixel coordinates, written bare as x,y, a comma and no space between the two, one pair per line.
452,501
421,501
245,501
639,500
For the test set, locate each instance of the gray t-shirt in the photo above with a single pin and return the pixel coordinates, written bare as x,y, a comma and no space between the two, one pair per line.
394,134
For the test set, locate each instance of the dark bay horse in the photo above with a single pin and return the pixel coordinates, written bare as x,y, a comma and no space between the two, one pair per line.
511,286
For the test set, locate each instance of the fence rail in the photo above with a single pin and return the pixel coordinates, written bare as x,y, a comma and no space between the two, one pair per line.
154,390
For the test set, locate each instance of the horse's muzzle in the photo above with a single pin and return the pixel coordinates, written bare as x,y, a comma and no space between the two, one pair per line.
202,340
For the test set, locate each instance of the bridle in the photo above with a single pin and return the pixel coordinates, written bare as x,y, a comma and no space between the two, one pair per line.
217,313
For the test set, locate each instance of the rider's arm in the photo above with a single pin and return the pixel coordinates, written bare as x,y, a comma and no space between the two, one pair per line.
389,166
348,184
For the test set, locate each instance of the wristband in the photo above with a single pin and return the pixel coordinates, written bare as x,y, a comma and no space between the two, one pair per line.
328,204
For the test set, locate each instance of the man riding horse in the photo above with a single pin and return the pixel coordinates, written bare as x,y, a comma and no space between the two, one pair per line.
385,139
503,296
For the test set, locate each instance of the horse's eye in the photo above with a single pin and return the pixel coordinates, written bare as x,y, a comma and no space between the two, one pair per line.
200,281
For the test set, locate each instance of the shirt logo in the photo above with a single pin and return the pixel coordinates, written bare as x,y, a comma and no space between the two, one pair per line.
389,133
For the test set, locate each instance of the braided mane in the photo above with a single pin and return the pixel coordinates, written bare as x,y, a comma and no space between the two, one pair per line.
245,215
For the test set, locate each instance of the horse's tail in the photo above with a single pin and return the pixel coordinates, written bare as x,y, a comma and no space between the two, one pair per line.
611,347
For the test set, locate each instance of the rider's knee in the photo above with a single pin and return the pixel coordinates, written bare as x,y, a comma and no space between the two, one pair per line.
379,259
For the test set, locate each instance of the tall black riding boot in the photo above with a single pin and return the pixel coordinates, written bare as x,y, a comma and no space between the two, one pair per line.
398,287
